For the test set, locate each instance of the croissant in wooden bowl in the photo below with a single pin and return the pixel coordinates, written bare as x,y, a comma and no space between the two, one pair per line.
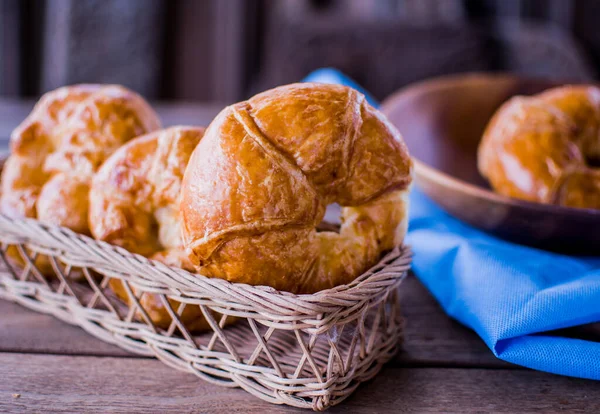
545,148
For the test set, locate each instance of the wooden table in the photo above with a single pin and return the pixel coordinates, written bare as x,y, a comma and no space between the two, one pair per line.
49,366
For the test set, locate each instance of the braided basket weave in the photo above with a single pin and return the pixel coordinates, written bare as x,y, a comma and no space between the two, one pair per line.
307,351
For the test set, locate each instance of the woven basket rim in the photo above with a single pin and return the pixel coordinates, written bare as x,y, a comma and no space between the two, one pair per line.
345,292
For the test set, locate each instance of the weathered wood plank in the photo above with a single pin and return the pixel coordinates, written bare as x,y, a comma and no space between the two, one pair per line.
433,339
23,330
474,390
49,383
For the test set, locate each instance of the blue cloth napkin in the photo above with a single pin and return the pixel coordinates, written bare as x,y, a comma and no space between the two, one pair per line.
511,295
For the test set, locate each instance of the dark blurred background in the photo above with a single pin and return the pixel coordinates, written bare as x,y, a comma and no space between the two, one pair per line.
215,50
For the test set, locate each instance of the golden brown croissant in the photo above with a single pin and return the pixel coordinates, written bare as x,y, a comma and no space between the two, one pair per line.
542,148
59,146
258,183
134,204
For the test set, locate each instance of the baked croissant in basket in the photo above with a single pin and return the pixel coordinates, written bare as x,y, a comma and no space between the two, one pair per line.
546,148
59,146
258,183
134,204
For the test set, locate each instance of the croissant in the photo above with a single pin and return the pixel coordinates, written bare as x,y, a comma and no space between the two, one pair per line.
258,184
134,204
546,148
58,147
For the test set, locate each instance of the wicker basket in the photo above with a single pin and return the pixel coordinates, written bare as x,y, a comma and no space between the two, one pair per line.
307,351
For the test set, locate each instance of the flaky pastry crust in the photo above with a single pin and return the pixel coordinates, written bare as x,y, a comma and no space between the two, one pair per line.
58,147
258,184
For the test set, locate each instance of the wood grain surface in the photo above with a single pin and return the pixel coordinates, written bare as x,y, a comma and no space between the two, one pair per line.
51,383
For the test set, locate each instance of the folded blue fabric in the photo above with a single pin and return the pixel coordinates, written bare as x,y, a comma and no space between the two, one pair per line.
509,294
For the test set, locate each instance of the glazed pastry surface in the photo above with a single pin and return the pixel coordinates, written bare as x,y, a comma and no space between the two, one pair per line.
545,148
134,203
258,184
58,147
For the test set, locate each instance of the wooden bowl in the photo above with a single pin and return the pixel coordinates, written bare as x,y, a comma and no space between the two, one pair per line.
442,121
